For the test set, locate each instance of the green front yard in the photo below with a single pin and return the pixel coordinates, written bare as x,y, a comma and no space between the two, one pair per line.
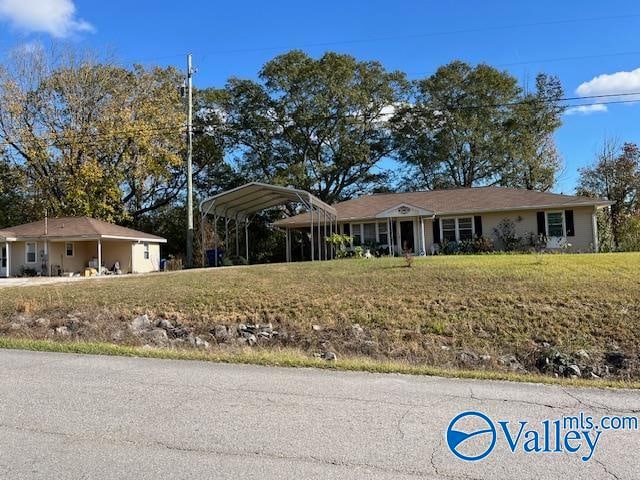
534,313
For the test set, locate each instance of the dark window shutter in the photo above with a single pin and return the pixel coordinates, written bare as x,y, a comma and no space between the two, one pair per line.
477,220
568,219
542,227
436,230
346,228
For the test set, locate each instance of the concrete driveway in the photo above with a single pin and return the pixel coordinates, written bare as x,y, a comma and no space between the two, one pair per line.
72,416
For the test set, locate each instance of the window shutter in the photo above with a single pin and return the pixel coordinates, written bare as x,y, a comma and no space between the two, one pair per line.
477,220
436,230
542,228
568,218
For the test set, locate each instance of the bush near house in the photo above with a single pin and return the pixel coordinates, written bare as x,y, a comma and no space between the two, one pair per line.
566,315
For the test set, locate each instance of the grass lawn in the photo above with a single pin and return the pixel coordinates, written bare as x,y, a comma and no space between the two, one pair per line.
467,312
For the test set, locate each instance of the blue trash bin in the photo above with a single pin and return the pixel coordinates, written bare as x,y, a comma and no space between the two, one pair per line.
211,256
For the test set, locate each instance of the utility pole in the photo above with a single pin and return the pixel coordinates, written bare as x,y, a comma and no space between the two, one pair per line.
189,162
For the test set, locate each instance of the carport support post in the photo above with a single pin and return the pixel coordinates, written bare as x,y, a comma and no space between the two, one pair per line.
99,256
324,235
216,240
311,229
319,236
246,238
7,271
237,240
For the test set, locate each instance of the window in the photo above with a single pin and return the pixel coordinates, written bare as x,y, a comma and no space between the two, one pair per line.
30,252
369,235
383,236
68,248
465,228
146,251
346,229
555,224
457,229
449,229
357,234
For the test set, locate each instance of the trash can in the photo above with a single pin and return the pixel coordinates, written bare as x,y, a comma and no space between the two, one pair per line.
211,256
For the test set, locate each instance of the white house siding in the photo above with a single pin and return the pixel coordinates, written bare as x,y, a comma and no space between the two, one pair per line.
142,265
525,222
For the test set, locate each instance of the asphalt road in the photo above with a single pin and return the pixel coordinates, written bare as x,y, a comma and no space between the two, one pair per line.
70,417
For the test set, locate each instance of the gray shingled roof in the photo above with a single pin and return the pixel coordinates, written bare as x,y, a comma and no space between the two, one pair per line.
73,227
452,201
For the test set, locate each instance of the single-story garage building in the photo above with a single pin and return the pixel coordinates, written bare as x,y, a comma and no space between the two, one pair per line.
71,245
423,221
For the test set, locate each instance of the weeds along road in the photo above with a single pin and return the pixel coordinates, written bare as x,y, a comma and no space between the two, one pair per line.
71,416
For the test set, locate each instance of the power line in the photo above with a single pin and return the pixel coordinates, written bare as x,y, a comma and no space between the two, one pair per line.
426,34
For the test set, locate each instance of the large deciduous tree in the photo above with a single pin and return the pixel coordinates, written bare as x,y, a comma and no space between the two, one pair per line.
92,138
470,126
316,124
615,175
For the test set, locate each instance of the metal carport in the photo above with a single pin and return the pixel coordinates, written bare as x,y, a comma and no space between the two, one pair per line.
239,203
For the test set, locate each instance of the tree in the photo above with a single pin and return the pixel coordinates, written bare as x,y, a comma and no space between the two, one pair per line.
92,138
533,160
14,203
472,126
615,175
319,125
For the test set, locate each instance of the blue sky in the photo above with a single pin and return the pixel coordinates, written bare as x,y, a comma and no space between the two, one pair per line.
237,38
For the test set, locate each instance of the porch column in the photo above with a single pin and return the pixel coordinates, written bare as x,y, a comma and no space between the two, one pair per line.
7,271
423,251
46,255
99,256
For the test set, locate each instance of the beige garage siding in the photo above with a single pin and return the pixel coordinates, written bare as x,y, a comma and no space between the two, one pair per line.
142,265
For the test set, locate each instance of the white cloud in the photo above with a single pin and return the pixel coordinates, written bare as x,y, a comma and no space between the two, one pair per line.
613,84
586,109
55,17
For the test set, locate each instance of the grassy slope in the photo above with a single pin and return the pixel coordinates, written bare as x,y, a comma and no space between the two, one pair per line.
486,304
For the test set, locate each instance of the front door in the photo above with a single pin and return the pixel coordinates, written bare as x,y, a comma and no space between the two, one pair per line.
406,235
3,261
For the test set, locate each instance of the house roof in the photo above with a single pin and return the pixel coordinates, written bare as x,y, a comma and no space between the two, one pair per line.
76,227
452,201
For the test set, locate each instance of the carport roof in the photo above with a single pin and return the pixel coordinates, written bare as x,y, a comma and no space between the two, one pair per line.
255,196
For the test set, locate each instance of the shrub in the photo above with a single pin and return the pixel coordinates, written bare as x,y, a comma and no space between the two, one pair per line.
339,241
238,260
358,252
630,235
482,245
506,234
449,248
27,271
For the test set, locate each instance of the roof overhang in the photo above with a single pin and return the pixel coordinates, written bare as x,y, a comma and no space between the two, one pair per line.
251,198
560,206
